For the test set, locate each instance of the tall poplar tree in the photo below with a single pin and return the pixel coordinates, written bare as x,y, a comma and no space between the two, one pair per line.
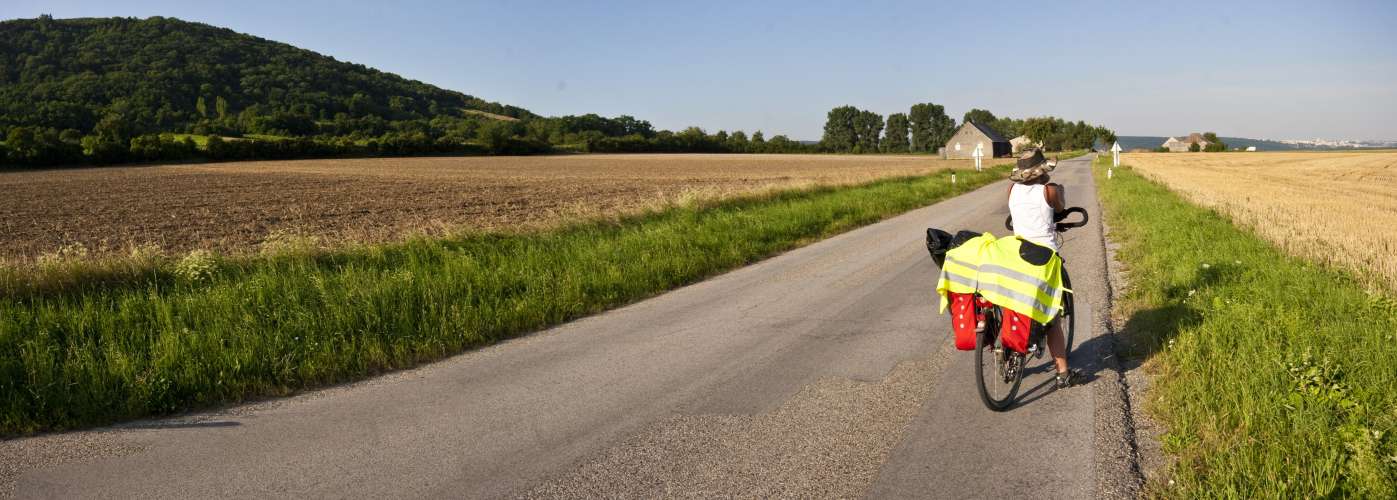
895,134
869,126
841,134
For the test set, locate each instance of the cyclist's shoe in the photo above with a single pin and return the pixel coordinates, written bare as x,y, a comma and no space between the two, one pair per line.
1069,379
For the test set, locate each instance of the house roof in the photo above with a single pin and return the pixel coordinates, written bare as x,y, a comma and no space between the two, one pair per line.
1194,138
989,132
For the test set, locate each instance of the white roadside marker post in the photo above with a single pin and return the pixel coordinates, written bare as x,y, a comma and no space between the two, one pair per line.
1115,158
953,178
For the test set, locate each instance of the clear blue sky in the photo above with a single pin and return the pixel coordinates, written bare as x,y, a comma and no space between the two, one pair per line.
1251,69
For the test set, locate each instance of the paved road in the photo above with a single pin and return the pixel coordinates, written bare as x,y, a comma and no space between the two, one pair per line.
822,372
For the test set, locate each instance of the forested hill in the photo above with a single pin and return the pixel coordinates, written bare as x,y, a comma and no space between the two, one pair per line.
163,74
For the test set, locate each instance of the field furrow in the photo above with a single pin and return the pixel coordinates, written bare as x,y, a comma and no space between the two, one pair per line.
240,207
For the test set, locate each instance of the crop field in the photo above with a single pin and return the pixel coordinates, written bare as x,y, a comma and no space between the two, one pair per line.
84,344
1271,374
1337,208
241,207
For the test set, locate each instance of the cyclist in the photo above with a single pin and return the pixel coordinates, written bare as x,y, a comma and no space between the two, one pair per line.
1033,202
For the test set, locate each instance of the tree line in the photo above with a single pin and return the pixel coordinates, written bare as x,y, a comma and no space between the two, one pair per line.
102,91
926,127
114,90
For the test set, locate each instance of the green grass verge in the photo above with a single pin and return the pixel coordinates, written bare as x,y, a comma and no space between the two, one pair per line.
1274,376
89,347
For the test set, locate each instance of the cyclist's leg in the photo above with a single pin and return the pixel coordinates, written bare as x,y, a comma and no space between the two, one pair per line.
1057,345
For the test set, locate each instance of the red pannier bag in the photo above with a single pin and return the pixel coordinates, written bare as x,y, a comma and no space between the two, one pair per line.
964,316
1014,329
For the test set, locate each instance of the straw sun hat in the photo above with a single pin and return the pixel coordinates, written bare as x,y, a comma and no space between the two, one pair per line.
1031,166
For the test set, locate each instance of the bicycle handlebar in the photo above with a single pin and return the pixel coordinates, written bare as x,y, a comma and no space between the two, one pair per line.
1058,218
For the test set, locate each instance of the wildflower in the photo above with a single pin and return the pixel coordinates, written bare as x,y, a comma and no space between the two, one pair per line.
1206,265
197,266
1191,292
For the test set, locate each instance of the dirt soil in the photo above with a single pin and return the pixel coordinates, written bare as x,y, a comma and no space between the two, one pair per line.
240,207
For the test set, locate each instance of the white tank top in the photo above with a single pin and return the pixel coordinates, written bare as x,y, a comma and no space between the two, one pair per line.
1033,217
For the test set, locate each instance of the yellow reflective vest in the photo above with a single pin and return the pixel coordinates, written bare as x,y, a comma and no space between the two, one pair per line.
992,267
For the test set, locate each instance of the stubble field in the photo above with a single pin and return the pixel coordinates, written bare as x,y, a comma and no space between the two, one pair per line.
1333,207
241,207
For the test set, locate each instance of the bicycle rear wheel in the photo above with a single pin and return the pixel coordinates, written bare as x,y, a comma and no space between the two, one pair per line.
998,371
1069,327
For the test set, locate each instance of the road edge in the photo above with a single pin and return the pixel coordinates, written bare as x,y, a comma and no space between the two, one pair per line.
1117,450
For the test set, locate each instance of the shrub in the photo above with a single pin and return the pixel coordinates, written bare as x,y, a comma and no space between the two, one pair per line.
196,267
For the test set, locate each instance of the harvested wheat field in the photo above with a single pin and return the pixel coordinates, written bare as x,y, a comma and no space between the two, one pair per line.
240,207
1333,207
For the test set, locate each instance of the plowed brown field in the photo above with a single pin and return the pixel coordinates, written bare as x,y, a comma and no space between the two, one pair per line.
238,207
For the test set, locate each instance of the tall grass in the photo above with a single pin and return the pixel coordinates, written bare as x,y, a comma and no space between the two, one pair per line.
81,348
1275,376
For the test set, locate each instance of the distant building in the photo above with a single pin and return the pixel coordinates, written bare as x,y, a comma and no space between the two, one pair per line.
1251,148
1019,143
1177,145
971,134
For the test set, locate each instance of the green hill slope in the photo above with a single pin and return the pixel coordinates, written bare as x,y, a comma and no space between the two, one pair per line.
112,90
162,74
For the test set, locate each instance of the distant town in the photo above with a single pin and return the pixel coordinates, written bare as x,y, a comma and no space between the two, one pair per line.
1337,143
1181,142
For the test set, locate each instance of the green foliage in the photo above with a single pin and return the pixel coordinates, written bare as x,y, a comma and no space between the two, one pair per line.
738,142
41,146
1106,137
156,71
841,129
1057,134
1193,148
931,127
981,116
119,84
895,136
1274,375
153,147
495,135
1214,143
88,345
868,125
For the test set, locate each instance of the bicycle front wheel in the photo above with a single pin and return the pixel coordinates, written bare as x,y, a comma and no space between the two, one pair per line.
998,371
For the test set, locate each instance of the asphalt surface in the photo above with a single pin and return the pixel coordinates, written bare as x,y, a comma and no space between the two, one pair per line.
822,372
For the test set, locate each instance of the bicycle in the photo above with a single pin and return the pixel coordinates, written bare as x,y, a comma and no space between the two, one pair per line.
999,370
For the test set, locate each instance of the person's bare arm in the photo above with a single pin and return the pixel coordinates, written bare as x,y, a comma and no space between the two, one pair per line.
1056,196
